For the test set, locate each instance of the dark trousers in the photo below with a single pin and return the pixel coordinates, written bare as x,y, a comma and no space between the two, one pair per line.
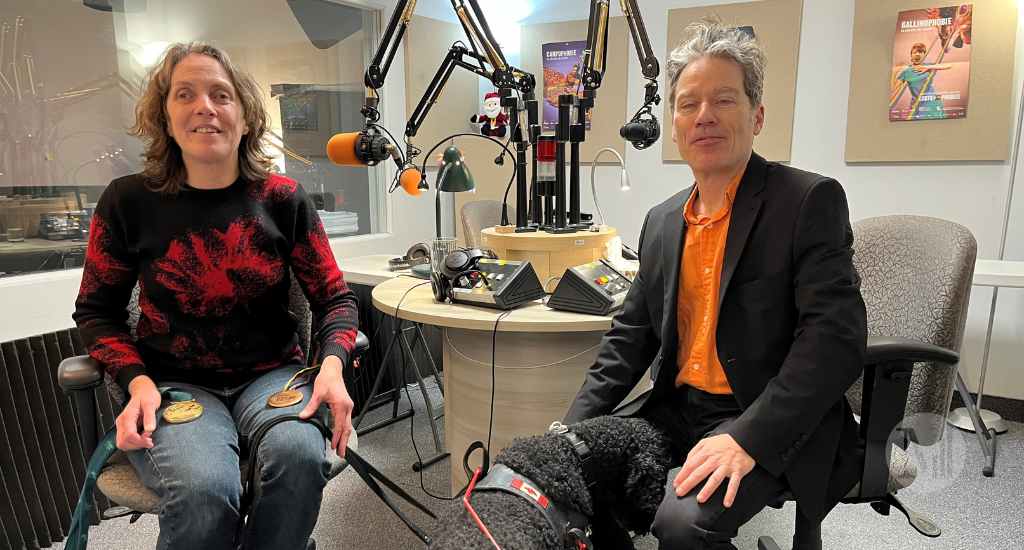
682,522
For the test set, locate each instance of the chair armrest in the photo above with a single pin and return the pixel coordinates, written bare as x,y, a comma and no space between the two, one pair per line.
362,344
889,365
81,372
79,376
882,349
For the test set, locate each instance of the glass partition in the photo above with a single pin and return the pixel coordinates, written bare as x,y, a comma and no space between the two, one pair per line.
70,72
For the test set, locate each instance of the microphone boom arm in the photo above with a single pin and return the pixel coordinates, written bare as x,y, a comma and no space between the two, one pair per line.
597,47
436,87
381,63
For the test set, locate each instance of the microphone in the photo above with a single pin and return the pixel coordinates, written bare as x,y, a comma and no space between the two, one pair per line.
412,180
641,131
369,148
366,148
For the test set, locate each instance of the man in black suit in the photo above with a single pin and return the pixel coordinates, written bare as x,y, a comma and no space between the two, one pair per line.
747,309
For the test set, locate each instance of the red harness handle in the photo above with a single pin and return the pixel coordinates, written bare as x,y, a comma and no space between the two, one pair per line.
472,512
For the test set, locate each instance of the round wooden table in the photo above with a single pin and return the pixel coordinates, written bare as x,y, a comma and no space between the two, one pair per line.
551,254
541,359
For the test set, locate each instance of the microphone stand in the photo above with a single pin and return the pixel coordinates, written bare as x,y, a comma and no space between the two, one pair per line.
573,110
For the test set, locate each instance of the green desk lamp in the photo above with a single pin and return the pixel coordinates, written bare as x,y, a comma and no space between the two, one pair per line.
452,177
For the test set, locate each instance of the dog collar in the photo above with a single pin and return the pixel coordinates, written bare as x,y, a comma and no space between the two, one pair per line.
588,465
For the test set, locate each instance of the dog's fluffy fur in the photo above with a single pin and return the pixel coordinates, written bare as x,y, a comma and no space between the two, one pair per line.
633,460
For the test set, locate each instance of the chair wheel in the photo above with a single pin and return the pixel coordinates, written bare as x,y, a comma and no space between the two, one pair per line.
311,544
767,543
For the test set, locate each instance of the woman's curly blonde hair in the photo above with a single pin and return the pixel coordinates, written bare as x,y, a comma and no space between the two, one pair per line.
162,162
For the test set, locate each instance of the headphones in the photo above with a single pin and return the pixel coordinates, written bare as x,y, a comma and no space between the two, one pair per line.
418,254
456,264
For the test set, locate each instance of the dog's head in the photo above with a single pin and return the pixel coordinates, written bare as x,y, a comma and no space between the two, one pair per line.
632,458
635,458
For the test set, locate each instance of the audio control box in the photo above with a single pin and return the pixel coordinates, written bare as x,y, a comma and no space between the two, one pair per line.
499,284
595,288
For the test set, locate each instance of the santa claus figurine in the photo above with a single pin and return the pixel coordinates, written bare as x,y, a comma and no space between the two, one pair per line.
493,121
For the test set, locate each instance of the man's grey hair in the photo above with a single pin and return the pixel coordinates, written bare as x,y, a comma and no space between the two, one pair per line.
710,38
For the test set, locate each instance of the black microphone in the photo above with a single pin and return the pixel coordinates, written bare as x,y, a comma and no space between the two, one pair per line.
641,131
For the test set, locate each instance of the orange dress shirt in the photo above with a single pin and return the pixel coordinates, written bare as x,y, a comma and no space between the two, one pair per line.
700,276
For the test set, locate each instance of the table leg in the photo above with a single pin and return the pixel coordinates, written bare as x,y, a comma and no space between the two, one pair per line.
986,436
986,424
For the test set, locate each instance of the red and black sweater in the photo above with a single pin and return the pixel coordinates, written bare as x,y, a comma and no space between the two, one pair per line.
212,269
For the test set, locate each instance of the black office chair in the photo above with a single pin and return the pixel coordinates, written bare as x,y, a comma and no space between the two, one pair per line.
916,275
119,481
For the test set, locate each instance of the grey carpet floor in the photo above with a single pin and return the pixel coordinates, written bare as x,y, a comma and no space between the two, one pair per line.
973,511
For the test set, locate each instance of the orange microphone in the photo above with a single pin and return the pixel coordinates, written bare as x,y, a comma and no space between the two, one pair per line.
412,180
366,148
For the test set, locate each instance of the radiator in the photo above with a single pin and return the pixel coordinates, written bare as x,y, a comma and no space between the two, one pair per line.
42,466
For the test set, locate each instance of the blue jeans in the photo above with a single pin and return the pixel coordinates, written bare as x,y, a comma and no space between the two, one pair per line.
194,469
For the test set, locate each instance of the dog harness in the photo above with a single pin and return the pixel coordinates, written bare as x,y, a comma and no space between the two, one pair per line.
572,528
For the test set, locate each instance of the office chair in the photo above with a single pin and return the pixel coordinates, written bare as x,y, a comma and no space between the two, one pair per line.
479,215
916,277
119,480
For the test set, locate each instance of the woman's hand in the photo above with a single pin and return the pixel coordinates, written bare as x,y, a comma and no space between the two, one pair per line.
330,388
139,412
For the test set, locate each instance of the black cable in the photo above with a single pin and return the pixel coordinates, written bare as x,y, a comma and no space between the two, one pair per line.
423,167
385,130
504,202
412,429
494,345
412,437
393,186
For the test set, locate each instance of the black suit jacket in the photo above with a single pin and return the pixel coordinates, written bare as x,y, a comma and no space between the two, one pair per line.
791,331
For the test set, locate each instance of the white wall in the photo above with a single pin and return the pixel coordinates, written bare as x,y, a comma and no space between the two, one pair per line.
972,194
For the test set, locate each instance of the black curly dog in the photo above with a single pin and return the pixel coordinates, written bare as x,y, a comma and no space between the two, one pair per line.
633,459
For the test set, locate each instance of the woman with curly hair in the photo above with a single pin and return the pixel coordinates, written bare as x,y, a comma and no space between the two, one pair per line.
211,237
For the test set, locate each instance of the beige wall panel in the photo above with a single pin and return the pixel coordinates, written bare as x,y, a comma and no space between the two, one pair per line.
982,135
777,28
426,45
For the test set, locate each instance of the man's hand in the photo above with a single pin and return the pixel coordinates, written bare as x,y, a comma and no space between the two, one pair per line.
330,388
720,457
139,412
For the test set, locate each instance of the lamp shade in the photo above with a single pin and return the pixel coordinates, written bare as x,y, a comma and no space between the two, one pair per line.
453,175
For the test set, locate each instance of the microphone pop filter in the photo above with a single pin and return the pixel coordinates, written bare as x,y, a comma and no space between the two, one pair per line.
410,181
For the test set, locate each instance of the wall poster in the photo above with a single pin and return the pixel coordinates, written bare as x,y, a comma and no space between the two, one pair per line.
931,63
562,68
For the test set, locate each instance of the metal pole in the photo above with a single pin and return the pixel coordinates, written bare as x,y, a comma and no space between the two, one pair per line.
437,211
1002,242
574,183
